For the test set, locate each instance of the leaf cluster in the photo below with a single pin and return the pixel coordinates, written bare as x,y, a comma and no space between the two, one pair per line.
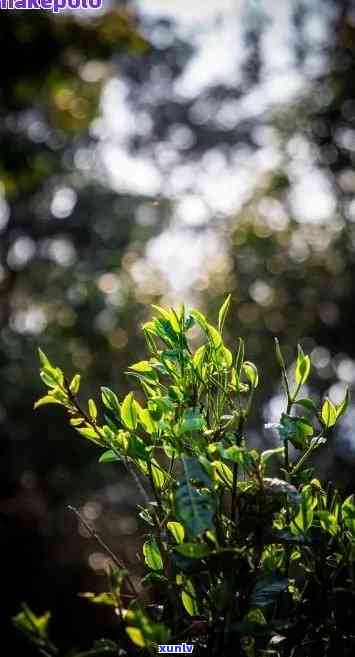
233,555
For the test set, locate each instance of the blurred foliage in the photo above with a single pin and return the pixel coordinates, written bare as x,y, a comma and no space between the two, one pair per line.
63,237
294,277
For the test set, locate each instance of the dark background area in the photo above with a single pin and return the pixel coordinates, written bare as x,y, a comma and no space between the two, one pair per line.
76,273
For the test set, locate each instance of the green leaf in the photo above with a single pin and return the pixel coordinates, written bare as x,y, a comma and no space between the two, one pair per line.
223,313
348,513
160,476
279,356
92,409
223,473
239,358
147,421
142,631
270,453
129,414
210,331
303,367
136,447
75,384
109,457
136,635
194,509
152,555
308,404
35,626
143,366
52,377
189,599
304,518
177,531
47,399
153,577
193,550
226,356
267,590
195,472
328,414
255,616
328,522
44,360
341,408
90,434
237,454
101,599
199,358
251,373
110,400
296,430
214,336
192,421
199,318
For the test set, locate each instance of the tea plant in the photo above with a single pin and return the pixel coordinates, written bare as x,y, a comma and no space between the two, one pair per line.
236,561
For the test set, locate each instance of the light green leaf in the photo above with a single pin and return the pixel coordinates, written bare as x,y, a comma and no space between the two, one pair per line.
269,453
348,513
152,555
142,631
109,457
44,360
226,354
237,454
193,550
303,367
328,522
147,420
101,599
251,373
47,399
223,473
110,400
304,518
136,635
279,356
129,414
328,414
177,531
189,599
341,408
239,358
33,625
199,358
75,384
223,313
92,409
90,434
160,476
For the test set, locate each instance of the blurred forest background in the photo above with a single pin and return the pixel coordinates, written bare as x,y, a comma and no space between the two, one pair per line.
161,151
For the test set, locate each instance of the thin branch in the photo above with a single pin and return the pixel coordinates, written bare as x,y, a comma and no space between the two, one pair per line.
105,547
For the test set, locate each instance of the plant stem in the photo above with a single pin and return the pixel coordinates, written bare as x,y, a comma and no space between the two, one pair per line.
307,453
287,461
239,436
